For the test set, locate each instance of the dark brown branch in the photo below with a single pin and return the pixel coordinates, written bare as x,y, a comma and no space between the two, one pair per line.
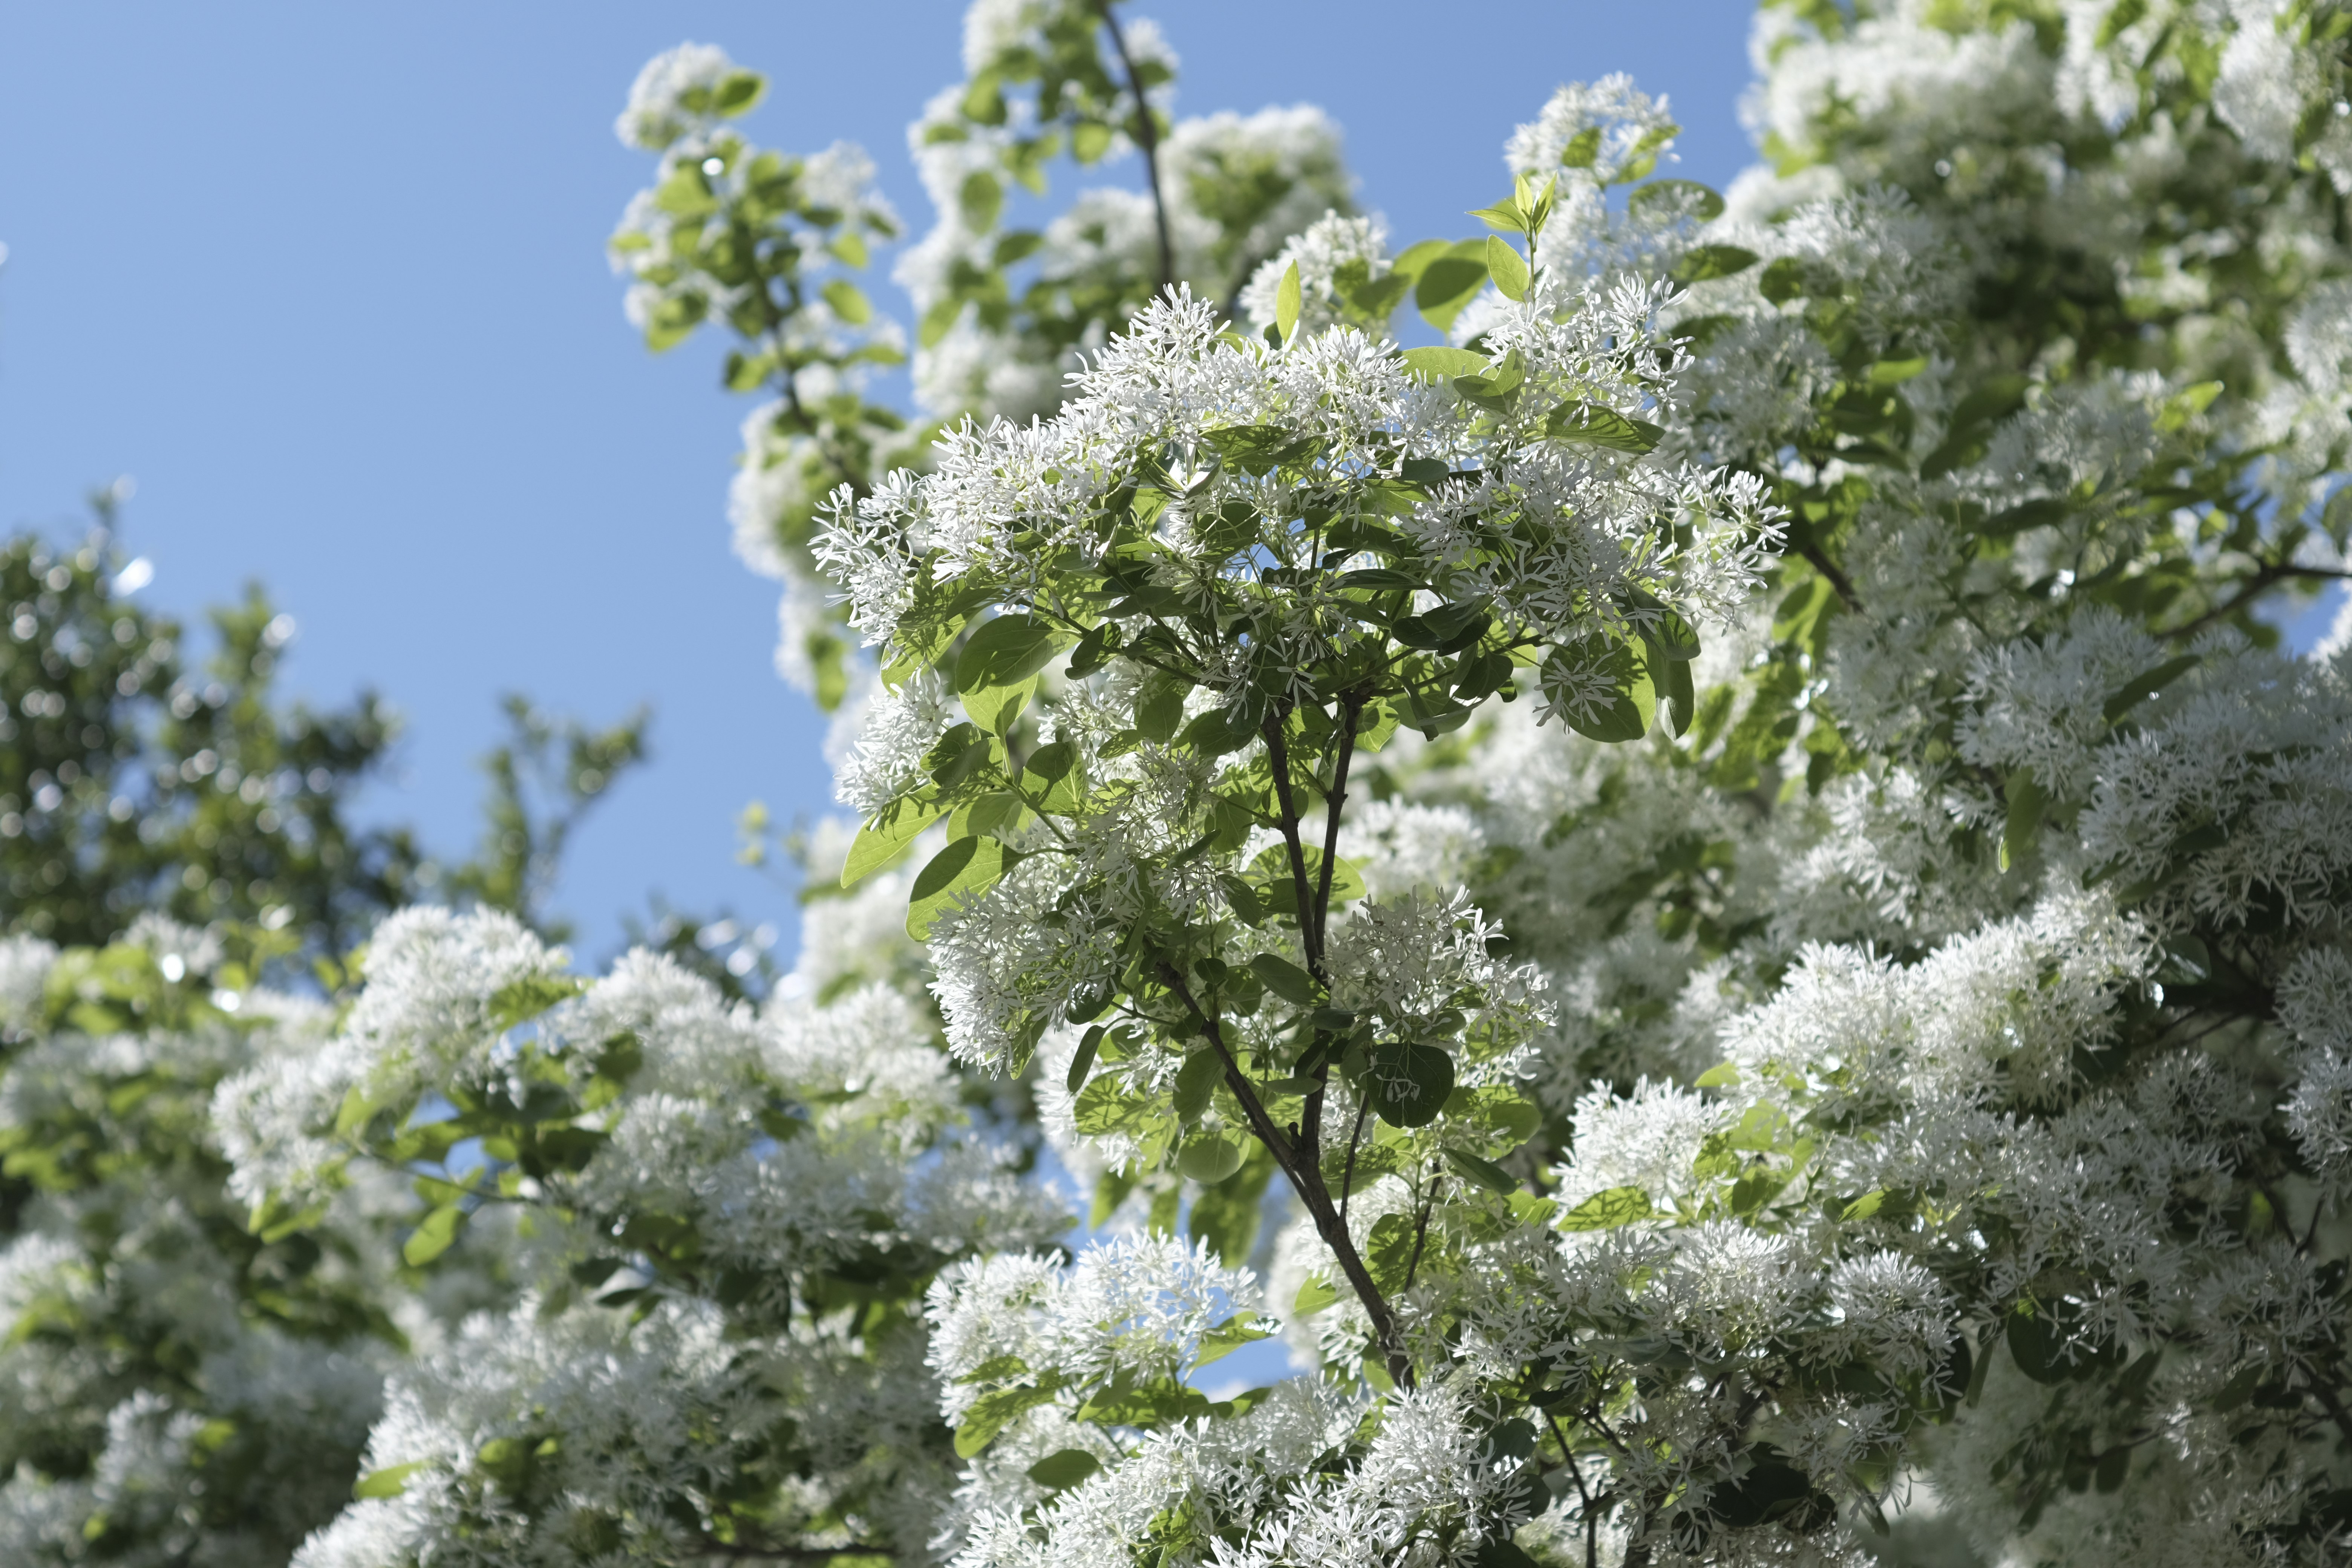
1818,560
1352,707
1584,1497
1278,756
742,1553
2261,582
1307,1182
1355,1136
1147,140
1420,1235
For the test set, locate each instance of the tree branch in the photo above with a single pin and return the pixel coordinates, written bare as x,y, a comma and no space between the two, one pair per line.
1818,560
1352,707
1278,756
2261,582
1307,1182
1147,140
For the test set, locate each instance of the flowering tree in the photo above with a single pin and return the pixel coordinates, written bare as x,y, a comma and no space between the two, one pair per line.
1727,853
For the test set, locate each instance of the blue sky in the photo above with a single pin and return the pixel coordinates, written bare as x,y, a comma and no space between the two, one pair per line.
329,281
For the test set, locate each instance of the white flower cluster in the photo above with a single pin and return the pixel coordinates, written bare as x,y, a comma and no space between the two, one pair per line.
1925,1054
169,1389
1232,190
1319,252
776,1151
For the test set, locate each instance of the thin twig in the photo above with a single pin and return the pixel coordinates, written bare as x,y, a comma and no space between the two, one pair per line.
2261,582
1348,1177
1147,141
1420,1237
1584,1497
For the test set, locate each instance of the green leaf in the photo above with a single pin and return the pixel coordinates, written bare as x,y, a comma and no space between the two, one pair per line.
1507,266
1997,399
2026,802
968,866
1495,384
1500,1553
1106,1106
1050,780
1482,1173
738,93
1450,282
1221,730
1583,149
1286,303
848,247
1160,707
1705,204
849,301
1314,1293
1417,257
1083,1061
991,1412
1435,363
1209,1158
996,708
1865,1206
1407,1082
1257,450
981,200
1378,579
1124,1403
1506,216
1226,1338
673,320
1608,1210
2186,404
1271,871
1196,1084
1006,650
1632,699
1286,979
1448,628
1593,426
520,1000
1783,280
890,835
1722,1075
2042,513
388,1482
356,1111
2147,684
1889,372
434,1237
1770,1490
2035,1343
1064,1468
1703,262
937,319
1378,298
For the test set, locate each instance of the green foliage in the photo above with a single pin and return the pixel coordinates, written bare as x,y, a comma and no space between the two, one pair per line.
130,783
546,776
144,1288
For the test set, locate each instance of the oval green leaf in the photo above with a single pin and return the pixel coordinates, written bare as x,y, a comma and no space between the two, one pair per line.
1507,266
966,868
1608,1210
882,841
1005,650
